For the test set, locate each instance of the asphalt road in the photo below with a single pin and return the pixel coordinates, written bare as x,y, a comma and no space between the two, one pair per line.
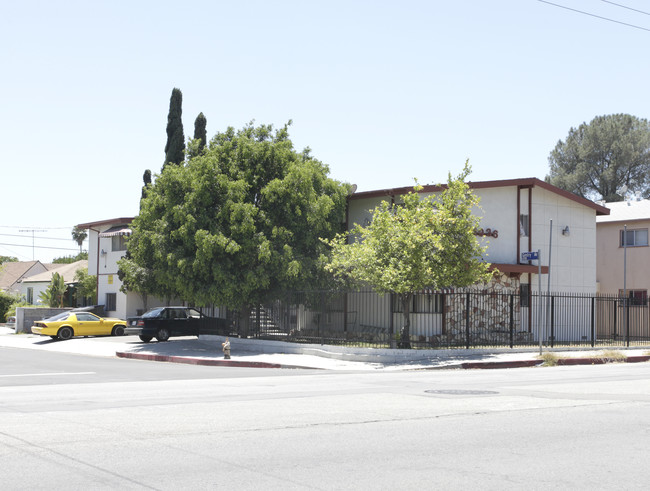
77,422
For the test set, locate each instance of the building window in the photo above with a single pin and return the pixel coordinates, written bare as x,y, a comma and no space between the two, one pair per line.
111,301
636,297
524,225
634,238
422,303
118,243
524,295
30,295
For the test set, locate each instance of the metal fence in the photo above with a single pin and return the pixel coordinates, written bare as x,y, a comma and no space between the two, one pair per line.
454,319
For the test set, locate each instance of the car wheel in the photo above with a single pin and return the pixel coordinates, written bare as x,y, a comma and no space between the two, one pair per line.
65,333
162,334
145,339
118,331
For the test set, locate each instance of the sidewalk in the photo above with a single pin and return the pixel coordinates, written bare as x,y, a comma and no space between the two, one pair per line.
247,353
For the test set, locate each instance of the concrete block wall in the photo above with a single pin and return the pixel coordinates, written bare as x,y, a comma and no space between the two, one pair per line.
26,316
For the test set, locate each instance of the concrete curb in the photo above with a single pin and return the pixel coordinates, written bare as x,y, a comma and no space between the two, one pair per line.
205,361
560,362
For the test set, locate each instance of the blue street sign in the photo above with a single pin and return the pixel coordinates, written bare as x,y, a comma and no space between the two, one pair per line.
529,256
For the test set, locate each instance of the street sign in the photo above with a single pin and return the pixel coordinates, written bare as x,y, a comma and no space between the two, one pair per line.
530,256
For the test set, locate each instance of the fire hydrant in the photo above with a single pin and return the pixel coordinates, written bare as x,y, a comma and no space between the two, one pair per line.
226,349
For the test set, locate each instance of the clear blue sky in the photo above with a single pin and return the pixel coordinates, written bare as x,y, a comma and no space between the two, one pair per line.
382,92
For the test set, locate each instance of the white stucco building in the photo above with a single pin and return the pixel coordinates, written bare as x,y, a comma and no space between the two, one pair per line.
106,245
516,217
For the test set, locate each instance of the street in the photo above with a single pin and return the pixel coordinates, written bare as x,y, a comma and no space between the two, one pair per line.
79,422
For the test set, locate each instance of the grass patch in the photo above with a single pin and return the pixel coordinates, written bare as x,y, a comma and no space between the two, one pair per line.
549,359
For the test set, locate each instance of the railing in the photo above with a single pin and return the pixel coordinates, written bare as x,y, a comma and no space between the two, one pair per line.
457,319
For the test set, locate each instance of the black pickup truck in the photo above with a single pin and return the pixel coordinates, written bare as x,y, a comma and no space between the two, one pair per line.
165,322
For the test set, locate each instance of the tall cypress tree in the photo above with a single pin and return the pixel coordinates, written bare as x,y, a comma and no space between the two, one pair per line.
200,132
175,147
146,179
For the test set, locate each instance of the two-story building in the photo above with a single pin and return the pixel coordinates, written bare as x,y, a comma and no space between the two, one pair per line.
517,216
622,250
106,245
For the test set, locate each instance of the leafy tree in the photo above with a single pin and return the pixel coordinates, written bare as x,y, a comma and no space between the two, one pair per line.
6,301
8,259
140,279
175,146
238,225
86,284
426,242
596,159
200,132
79,235
146,179
55,293
70,259
12,308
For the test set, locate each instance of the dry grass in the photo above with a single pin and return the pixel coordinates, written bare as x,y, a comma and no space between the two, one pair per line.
611,356
549,359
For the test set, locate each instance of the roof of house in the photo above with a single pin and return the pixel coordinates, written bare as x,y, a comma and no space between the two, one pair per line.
626,211
110,221
66,270
11,272
525,182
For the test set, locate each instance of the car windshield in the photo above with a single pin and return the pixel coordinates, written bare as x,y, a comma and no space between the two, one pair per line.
153,313
58,317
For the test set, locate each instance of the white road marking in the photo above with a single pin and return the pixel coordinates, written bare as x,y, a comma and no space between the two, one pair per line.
47,374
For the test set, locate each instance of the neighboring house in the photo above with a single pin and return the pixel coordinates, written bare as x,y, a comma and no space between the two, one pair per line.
106,245
516,217
623,266
11,273
32,286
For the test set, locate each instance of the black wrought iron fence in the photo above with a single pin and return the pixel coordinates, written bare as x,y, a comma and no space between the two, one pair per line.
454,319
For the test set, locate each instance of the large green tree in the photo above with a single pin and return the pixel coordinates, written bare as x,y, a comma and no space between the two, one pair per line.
424,242
238,225
597,159
175,146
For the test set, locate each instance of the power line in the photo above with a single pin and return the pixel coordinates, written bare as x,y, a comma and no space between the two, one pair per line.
626,7
38,237
39,247
594,15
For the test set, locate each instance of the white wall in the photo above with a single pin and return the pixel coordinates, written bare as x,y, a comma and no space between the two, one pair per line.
573,256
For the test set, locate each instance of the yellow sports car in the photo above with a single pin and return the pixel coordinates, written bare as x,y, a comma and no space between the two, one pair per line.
68,324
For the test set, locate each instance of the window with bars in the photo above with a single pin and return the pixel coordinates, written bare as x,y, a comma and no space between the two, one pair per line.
422,303
635,297
111,302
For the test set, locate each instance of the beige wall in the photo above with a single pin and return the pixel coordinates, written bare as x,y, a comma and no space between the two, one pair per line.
611,259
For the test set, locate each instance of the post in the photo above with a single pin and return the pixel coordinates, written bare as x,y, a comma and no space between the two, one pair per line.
540,325
593,322
512,320
625,299
467,330
548,275
552,322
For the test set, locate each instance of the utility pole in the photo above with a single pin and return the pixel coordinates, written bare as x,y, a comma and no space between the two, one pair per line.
33,231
